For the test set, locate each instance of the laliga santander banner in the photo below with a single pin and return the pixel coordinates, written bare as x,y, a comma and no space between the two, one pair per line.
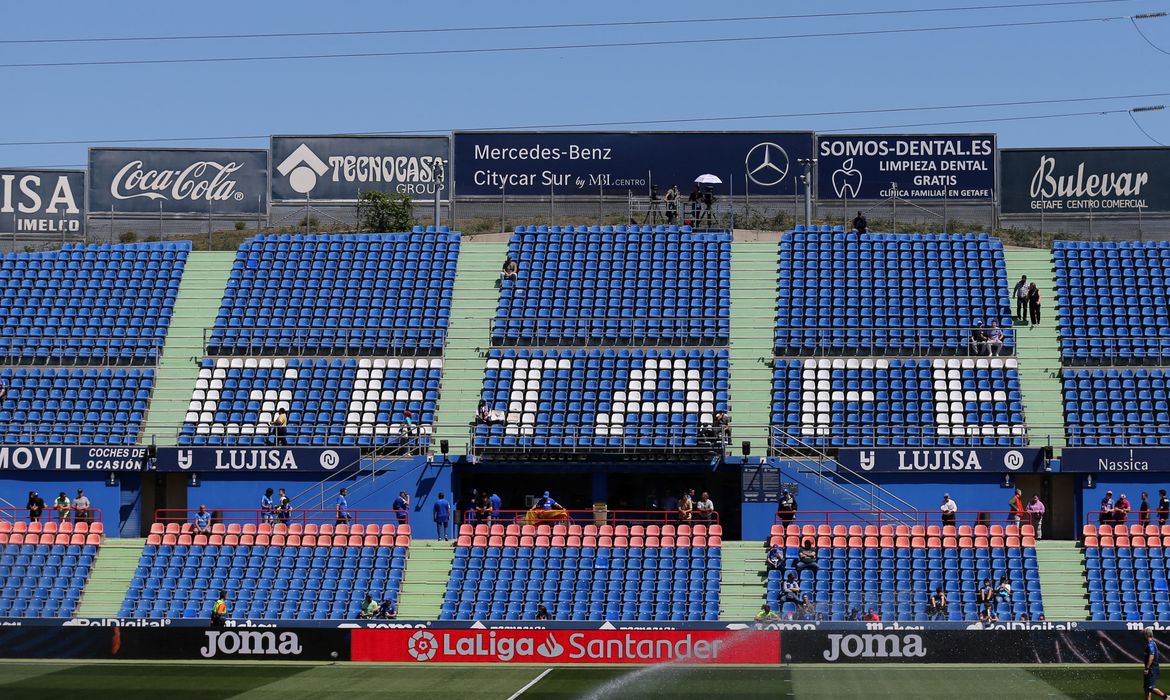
567,646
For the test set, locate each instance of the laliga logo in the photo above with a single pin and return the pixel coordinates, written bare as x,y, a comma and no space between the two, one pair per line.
329,460
302,167
422,646
1013,460
767,164
847,180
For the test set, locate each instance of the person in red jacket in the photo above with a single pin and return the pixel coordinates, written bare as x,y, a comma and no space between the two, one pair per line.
872,616
1016,506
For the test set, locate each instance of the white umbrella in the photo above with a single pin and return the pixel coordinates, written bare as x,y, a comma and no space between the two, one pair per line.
708,179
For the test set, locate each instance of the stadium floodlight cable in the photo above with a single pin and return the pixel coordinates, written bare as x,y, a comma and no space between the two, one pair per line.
566,47
628,122
1148,15
988,120
1152,108
562,25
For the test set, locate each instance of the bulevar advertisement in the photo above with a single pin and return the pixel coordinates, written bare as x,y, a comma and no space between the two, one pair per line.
566,647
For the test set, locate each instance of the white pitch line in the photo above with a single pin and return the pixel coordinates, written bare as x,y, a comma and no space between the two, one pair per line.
531,683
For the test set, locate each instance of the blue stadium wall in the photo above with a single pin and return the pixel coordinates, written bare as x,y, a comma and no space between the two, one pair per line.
119,503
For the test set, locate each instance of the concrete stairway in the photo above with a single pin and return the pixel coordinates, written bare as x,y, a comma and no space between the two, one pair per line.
113,569
200,295
1038,350
1062,579
473,306
425,579
742,581
753,322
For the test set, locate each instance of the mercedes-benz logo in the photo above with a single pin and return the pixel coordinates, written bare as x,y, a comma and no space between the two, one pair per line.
767,164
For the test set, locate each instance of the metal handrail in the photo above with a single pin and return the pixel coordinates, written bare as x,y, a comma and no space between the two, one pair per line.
50,518
588,517
234,340
27,346
973,519
925,341
63,433
705,438
298,516
878,496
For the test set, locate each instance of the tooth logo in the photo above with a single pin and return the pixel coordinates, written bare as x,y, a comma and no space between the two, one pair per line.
550,648
847,180
422,646
302,168
767,164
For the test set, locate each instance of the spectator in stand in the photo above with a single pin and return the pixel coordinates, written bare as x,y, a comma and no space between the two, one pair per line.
775,559
985,614
408,431
871,616
705,508
1016,508
994,339
369,608
36,507
671,198
1020,293
723,426
949,509
986,593
1144,510
1121,510
342,508
696,201
786,508
441,512
1004,590
1163,507
509,270
1034,303
670,502
219,610
1106,515
483,510
61,505
1036,515
937,607
388,610
402,507
1024,617
853,615
791,593
686,506
860,225
978,339
807,557
267,509
806,610
766,615
541,612
3,389
280,427
483,413
81,508
496,501
202,521
283,508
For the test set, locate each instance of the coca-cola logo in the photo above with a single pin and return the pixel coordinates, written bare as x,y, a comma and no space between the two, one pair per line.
204,180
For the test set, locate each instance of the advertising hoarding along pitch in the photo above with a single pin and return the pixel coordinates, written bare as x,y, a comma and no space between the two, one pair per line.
924,166
566,646
1084,180
249,459
42,201
45,458
590,163
955,460
180,181
340,168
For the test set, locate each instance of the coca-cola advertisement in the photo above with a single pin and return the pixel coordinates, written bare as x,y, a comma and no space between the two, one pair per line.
176,181
566,646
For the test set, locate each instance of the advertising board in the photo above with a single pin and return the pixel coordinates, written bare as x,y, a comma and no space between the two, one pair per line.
42,201
924,166
340,168
178,181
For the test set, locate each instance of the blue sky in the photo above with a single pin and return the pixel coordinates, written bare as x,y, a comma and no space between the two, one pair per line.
633,81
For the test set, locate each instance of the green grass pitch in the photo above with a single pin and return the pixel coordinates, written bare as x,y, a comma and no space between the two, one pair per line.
284,681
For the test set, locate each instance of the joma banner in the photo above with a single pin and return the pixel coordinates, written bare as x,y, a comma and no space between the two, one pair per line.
566,646
340,168
178,181
42,201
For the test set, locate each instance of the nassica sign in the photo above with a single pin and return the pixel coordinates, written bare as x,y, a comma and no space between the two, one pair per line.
256,459
943,460
1079,180
42,201
566,646
953,166
596,162
340,168
178,181
1118,460
106,459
